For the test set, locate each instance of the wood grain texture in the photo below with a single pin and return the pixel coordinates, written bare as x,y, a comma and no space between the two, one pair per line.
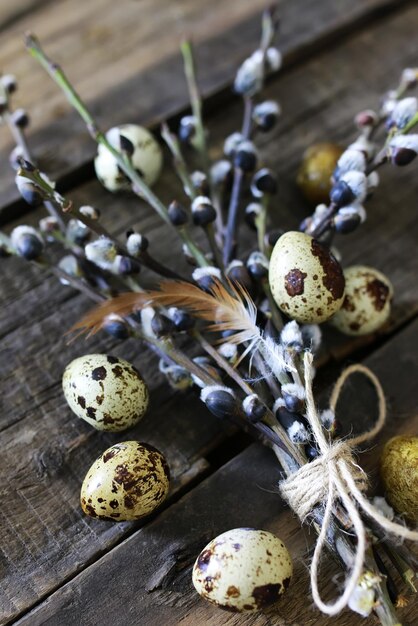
147,578
47,451
123,59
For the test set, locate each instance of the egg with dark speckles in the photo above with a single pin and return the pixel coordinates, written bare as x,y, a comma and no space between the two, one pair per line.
399,472
243,570
306,281
127,482
366,305
317,167
105,391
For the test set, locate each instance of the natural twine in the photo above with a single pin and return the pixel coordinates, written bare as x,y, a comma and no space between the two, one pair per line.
335,474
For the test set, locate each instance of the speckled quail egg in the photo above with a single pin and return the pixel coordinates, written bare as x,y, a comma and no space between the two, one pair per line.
366,305
243,570
105,391
314,176
141,148
306,281
399,472
127,482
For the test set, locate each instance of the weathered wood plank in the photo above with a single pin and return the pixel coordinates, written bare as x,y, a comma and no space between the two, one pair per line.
124,60
146,579
35,353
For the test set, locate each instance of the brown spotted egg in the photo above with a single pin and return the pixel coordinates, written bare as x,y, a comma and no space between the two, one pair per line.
105,391
306,281
366,305
243,570
127,482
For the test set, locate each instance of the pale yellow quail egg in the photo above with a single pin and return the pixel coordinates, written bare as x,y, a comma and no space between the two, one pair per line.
306,281
142,149
366,305
399,472
105,391
243,570
314,176
127,482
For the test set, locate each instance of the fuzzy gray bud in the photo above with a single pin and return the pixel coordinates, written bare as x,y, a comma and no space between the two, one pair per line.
403,112
265,114
252,211
253,408
220,172
220,401
49,224
77,232
237,271
9,83
177,214
90,212
27,242
245,156
403,149
136,244
264,182
178,377
257,265
203,212
116,327
187,129
71,266
206,276
102,252
200,182
231,143
31,193
20,118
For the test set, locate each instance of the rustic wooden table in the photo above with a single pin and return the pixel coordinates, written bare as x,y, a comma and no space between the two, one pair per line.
57,566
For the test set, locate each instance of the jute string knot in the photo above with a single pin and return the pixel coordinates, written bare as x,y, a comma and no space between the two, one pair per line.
308,487
336,475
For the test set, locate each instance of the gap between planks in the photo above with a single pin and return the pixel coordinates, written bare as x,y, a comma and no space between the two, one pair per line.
166,595
330,28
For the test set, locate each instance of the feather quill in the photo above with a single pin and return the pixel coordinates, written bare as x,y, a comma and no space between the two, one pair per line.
225,308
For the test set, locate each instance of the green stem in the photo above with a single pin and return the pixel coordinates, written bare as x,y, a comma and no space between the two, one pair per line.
275,315
20,140
195,101
233,210
210,234
384,609
138,185
223,363
193,249
260,224
412,122
178,160
67,207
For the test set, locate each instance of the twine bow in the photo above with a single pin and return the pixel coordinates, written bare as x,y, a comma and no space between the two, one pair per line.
335,474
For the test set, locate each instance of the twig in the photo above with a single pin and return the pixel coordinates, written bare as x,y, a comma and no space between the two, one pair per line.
138,185
178,160
20,141
94,225
195,101
231,227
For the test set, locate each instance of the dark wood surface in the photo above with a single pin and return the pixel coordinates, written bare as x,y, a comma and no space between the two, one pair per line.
124,59
57,566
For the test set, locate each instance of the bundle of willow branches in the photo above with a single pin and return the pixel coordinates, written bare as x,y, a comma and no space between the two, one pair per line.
254,316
